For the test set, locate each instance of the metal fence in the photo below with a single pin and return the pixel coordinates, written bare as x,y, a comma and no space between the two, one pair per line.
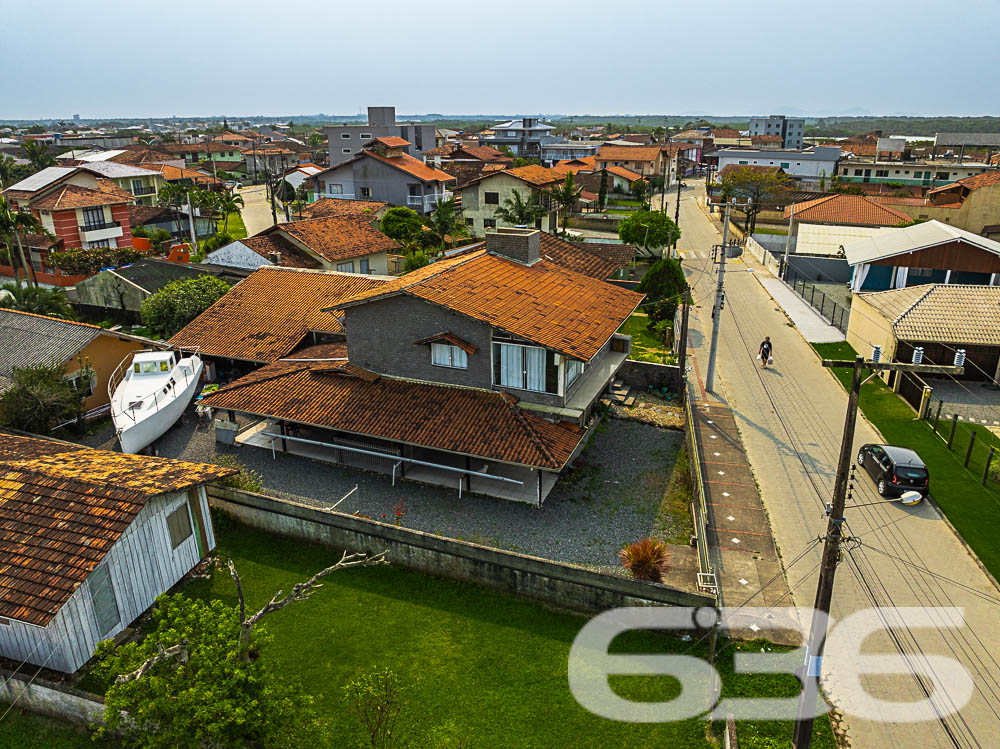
911,388
975,445
834,313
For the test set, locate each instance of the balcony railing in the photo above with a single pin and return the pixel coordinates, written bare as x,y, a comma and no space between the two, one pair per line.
143,191
338,196
428,202
98,225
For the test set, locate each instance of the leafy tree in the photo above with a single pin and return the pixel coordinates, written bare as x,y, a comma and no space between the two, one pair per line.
401,224
7,167
525,161
664,279
38,154
415,260
36,130
648,229
286,193
316,140
39,398
639,190
566,196
219,240
759,186
602,193
517,211
82,262
178,303
444,221
201,677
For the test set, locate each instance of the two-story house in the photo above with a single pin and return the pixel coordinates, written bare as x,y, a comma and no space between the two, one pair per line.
383,171
144,184
483,196
478,372
524,137
79,209
649,161
346,140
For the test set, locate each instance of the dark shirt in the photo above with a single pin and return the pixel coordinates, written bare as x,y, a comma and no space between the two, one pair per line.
765,350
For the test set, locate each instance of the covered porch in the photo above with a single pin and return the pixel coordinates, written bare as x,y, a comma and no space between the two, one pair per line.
464,474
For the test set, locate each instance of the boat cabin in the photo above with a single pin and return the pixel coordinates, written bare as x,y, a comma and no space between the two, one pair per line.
152,362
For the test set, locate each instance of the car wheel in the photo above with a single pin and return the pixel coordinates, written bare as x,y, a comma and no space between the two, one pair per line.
861,457
881,487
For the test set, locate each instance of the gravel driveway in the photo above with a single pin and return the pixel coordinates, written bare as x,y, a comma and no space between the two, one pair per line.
609,499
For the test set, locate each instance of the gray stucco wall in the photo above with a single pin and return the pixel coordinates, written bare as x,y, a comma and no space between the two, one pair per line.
380,337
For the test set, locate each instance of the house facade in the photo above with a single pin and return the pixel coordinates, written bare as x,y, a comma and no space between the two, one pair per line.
79,209
811,165
789,129
525,137
482,197
143,184
346,141
929,173
383,171
443,378
109,532
649,161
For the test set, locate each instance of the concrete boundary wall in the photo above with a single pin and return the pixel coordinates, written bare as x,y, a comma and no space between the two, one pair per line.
49,698
561,585
645,374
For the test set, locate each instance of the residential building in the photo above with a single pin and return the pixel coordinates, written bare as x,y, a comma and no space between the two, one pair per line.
789,129
478,372
648,161
824,225
553,153
171,219
598,260
296,176
971,203
348,244
938,318
700,139
452,153
481,198
524,137
270,159
929,173
144,184
118,293
810,165
89,353
383,171
925,253
78,208
346,141
89,539
207,151
620,180
575,166
344,207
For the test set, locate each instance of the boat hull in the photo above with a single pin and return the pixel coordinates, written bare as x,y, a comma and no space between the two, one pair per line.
134,437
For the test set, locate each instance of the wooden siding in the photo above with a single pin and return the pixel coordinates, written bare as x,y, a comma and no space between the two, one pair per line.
142,566
951,256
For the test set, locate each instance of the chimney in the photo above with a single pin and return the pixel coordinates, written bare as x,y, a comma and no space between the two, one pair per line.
522,245
274,257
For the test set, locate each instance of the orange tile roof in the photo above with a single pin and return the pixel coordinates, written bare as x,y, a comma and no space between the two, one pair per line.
336,238
535,174
393,141
291,256
543,302
62,508
171,173
857,210
142,157
624,173
413,167
468,421
267,314
338,207
575,258
572,166
629,153
974,182
74,196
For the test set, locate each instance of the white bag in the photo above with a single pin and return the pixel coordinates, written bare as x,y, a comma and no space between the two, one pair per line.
758,356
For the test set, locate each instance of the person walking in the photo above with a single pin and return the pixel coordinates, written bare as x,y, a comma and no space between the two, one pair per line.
764,353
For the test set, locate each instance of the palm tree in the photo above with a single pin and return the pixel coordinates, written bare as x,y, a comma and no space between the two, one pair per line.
173,196
15,224
6,170
37,300
445,221
565,196
38,154
228,202
520,212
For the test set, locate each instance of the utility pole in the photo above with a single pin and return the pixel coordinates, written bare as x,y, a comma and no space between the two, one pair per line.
802,735
683,345
720,297
194,236
663,187
788,243
677,215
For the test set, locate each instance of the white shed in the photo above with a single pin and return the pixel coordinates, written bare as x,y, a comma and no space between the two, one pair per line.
88,540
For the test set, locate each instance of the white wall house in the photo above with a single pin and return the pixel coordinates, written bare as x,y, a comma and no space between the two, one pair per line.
809,165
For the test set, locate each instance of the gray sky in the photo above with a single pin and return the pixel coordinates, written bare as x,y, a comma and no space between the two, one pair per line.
281,57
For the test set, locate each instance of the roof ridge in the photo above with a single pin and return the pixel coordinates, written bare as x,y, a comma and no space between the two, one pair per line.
918,300
520,418
281,373
50,317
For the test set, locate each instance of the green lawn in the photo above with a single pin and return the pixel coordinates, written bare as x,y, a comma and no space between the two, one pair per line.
619,211
624,201
970,507
236,229
25,730
764,230
492,665
645,346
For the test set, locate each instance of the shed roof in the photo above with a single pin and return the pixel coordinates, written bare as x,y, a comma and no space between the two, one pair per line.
899,241
62,508
942,313
28,340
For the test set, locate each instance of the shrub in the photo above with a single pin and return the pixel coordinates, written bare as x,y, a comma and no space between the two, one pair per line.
664,279
247,479
180,302
375,699
646,559
415,260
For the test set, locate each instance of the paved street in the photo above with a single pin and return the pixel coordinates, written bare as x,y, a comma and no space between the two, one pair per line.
256,211
791,420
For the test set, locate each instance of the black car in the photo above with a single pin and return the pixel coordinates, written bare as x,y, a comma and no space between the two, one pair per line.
895,470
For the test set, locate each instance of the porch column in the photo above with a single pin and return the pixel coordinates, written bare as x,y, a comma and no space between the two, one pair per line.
284,442
539,473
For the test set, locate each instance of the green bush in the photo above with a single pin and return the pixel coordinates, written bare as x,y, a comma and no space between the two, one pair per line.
415,260
247,479
180,302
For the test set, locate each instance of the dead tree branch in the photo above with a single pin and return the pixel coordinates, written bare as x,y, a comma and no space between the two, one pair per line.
178,651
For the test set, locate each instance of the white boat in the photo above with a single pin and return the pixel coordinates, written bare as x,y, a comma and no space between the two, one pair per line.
149,392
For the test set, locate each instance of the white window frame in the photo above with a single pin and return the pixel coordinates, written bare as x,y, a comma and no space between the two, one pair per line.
345,150
574,369
347,267
331,191
345,136
180,510
74,379
366,136
524,368
448,355
100,579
